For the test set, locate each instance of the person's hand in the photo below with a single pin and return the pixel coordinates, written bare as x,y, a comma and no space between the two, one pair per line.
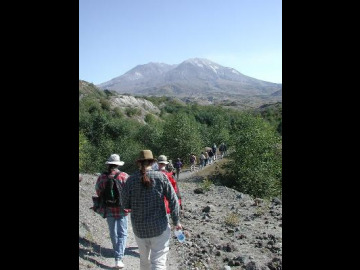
178,227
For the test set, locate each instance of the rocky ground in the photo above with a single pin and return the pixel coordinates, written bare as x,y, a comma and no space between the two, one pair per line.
225,229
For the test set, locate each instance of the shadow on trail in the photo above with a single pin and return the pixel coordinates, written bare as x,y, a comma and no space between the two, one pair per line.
131,252
95,249
90,249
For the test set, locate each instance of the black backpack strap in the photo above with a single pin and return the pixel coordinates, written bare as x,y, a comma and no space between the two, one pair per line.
115,175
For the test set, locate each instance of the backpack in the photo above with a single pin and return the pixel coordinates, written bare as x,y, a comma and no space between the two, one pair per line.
178,164
111,193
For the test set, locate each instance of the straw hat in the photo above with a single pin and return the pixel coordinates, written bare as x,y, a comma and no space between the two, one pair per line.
146,155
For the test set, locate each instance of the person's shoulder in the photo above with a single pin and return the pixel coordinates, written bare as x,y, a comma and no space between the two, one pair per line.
155,172
169,174
132,178
103,175
122,175
133,175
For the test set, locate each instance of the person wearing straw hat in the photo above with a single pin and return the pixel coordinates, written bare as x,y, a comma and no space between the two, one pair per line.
116,216
162,162
144,193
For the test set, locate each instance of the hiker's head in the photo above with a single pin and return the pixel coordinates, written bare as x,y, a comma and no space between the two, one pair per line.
146,156
178,159
145,160
114,161
162,161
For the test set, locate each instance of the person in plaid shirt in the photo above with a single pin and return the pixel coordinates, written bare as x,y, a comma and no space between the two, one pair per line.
116,217
144,193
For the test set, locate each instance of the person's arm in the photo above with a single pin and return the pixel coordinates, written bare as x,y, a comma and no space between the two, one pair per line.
99,187
126,193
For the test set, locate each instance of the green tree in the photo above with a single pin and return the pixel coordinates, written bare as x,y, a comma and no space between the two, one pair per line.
151,136
82,152
181,136
256,169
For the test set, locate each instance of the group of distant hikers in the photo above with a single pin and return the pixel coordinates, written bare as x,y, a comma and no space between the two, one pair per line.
152,197
208,156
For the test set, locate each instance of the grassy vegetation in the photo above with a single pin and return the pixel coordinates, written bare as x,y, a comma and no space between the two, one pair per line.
232,219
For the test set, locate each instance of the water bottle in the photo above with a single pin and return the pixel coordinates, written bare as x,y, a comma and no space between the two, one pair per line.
180,235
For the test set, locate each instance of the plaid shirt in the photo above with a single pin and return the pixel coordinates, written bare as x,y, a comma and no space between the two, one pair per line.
115,212
148,213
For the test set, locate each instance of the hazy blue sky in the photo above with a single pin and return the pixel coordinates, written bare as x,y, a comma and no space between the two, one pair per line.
117,35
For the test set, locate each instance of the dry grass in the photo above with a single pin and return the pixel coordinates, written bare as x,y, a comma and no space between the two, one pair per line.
232,219
213,169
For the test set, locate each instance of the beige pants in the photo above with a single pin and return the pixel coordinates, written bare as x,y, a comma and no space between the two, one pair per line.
153,251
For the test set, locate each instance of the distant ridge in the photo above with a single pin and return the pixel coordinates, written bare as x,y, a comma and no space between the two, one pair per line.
195,77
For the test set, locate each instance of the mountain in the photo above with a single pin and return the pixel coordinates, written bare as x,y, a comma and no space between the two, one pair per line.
195,77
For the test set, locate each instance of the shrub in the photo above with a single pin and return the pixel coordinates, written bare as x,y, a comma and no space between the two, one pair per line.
117,112
232,220
105,104
132,111
206,184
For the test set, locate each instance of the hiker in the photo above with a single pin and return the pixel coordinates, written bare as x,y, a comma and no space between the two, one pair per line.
170,167
202,160
144,193
192,162
178,166
162,162
214,151
206,154
225,149
211,155
116,216
222,150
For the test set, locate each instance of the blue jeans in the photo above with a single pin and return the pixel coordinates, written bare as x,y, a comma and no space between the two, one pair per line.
118,233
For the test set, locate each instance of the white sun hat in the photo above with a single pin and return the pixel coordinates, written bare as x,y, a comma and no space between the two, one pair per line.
162,159
115,159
